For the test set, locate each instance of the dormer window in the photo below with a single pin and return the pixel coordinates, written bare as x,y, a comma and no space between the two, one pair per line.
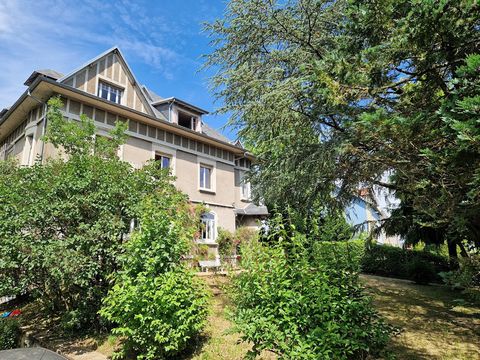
187,121
110,92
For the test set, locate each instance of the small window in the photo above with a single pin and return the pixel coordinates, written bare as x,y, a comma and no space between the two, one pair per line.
245,187
187,121
110,92
208,227
164,161
205,177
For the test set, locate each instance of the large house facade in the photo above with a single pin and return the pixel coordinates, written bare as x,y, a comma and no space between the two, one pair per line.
207,166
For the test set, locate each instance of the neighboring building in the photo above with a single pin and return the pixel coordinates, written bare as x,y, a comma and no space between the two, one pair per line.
207,167
366,213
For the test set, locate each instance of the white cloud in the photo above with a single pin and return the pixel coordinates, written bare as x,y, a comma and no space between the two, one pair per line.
63,34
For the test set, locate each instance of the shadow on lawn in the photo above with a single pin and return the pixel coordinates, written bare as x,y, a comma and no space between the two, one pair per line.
434,325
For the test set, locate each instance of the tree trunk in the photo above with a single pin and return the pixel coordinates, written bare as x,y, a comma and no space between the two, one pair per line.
452,253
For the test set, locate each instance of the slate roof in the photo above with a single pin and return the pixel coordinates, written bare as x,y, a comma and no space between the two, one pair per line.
150,95
209,131
252,210
52,74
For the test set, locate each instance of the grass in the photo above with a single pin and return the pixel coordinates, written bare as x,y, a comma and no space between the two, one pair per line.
435,322
218,343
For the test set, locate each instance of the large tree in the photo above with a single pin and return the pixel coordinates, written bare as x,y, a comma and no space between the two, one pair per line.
63,222
333,95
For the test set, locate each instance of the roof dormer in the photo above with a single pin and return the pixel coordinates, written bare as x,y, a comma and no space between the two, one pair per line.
181,113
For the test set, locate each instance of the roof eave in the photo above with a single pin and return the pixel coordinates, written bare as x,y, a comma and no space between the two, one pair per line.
176,128
181,102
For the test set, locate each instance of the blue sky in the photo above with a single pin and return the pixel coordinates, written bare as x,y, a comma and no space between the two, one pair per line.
162,41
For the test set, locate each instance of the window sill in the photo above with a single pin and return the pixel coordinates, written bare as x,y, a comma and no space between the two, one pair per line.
206,242
209,191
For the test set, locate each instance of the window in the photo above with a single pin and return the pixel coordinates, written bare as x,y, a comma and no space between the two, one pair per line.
110,92
164,160
187,121
246,193
205,177
208,227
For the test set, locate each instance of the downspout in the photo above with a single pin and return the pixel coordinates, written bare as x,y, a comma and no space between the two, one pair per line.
45,107
44,130
170,112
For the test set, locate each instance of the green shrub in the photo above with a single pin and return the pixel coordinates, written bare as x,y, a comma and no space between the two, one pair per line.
343,254
9,333
385,260
466,277
156,304
287,302
229,243
226,242
63,222
420,271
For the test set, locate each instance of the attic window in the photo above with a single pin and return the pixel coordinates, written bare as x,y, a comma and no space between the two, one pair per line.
187,121
110,92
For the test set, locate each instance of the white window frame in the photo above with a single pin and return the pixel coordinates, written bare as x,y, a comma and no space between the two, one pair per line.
194,119
245,187
202,162
204,178
110,89
162,156
209,228
167,152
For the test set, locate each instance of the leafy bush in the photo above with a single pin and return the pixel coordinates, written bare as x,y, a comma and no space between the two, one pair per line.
63,222
420,271
385,260
226,242
466,277
157,305
9,333
229,243
287,302
343,254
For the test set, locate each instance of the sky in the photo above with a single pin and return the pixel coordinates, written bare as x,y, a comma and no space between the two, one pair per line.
162,41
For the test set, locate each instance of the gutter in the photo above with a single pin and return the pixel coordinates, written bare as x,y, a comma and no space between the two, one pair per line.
14,106
172,100
172,127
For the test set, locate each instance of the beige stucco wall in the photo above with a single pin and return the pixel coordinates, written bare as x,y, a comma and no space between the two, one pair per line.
225,217
37,143
136,151
187,172
18,149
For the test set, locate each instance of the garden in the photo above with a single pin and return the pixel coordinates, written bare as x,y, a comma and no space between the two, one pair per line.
337,100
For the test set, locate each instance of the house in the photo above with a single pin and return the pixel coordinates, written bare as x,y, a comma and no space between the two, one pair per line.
207,166
366,213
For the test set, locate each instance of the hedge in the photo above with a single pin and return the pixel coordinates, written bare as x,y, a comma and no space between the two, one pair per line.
340,254
383,260
9,333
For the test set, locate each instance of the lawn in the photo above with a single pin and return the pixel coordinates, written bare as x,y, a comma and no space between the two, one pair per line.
435,323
